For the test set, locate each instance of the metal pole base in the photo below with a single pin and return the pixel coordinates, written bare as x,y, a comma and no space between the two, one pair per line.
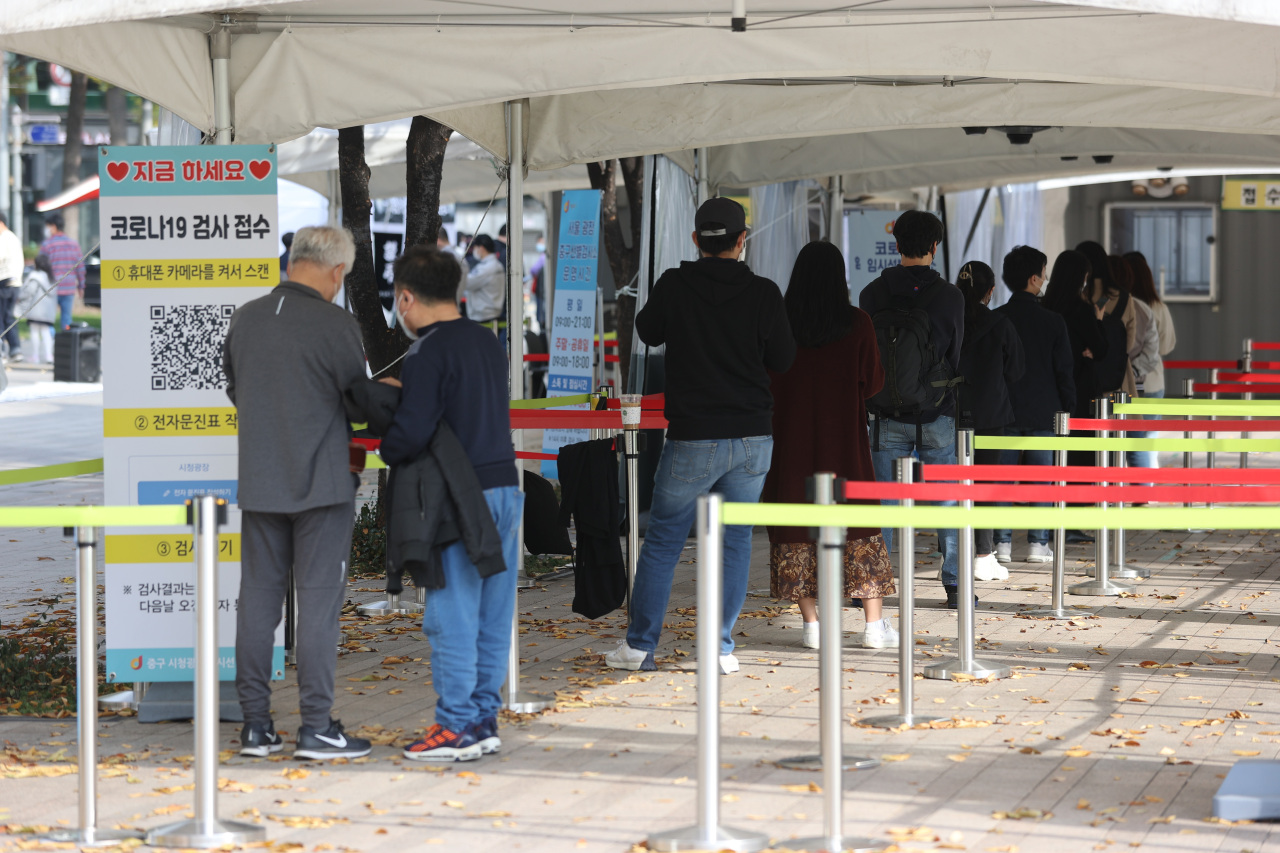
193,833
1050,613
978,669
844,844
117,701
814,762
523,581
719,838
897,721
1103,587
528,703
91,837
1131,574
385,608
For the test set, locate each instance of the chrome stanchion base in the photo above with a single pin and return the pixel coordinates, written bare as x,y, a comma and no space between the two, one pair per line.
523,581
720,838
897,721
1050,613
528,703
118,701
1131,574
91,837
845,844
814,762
387,608
1100,587
978,669
193,833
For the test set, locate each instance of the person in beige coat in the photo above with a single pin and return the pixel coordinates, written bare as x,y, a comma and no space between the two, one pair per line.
1144,293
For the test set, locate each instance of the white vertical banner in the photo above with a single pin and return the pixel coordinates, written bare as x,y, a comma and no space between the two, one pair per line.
188,234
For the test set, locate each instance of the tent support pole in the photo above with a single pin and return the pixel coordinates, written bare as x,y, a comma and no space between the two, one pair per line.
835,230
220,54
704,180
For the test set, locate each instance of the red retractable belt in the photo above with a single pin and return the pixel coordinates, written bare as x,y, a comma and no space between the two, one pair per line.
1047,493
1169,425
1074,474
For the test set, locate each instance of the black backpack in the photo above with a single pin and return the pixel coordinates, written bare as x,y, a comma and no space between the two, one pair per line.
1109,372
915,376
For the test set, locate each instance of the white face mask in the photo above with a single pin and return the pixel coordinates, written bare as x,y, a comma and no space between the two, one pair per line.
541,247
410,333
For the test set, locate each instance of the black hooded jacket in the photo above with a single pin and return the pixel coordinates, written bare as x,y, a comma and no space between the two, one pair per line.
991,361
724,328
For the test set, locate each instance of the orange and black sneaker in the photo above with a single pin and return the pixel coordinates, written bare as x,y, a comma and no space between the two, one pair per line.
440,744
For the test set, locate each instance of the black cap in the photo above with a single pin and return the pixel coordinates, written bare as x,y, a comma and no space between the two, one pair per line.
722,215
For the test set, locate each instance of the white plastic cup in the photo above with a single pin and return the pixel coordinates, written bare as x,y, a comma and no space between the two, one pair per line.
630,410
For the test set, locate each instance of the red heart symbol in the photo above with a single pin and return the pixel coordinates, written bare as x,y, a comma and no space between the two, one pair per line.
118,171
260,168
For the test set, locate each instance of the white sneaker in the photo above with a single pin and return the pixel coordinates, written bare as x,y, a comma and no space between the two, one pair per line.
728,664
985,568
810,639
1040,554
625,657
1004,552
880,635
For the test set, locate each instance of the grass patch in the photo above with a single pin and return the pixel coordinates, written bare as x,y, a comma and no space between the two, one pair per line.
38,667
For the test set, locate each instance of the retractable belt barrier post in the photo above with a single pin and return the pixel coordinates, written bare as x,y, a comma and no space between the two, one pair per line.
1057,607
831,544
206,830
631,415
707,833
965,663
1122,569
1189,392
1210,458
904,472
1246,366
1101,584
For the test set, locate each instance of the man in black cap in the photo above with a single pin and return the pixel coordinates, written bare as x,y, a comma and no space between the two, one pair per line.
724,328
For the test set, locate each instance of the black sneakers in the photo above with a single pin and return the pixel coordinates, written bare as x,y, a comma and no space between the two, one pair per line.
953,596
486,732
259,741
333,742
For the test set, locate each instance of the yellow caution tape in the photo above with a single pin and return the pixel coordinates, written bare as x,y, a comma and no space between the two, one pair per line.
50,472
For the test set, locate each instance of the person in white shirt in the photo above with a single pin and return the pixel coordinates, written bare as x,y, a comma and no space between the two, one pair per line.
1144,293
11,266
486,286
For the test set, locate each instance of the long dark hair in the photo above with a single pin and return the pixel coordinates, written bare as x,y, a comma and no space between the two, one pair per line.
1121,272
1144,284
975,281
1099,265
817,297
1066,282
41,263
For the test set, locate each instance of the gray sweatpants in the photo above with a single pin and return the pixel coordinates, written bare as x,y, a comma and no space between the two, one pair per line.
317,544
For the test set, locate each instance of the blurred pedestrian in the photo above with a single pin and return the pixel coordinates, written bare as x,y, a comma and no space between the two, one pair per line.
11,267
486,284
1144,290
67,262
819,424
37,304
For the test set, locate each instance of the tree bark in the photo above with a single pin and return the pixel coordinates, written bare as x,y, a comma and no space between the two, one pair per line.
624,260
117,115
382,345
72,155
424,172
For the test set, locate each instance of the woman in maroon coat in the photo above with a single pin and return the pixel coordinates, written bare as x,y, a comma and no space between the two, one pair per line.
820,424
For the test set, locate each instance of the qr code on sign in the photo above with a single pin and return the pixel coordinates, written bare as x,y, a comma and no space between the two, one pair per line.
186,346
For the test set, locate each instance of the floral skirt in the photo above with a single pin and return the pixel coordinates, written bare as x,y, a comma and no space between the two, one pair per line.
868,571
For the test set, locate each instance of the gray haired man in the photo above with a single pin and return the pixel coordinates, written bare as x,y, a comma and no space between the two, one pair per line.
289,357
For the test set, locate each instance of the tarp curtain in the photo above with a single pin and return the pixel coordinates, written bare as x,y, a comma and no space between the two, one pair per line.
779,228
1012,216
675,199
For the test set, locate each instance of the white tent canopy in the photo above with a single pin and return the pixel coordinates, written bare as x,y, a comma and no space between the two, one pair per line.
471,174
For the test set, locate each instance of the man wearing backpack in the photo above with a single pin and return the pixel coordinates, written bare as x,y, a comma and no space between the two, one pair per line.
919,322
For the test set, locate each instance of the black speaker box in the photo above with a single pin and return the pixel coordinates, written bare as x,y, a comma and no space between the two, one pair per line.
77,355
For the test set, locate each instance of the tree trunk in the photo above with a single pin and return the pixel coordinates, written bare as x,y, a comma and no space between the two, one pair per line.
424,172
382,345
71,151
117,115
624,260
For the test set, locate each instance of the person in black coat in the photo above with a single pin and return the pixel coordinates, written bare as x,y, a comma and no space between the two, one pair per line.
991,360
1066,294
1047,387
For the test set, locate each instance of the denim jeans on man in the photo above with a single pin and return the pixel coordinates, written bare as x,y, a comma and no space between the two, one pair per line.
469,622
732,467
1145,458
66,301
898,439
1029,457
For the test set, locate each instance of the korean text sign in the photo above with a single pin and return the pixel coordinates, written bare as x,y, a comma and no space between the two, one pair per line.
573,313
188,234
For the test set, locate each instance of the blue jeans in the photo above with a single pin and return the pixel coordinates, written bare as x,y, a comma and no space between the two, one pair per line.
66,301
733,467
469,622
898,439
1145,458
1029,457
